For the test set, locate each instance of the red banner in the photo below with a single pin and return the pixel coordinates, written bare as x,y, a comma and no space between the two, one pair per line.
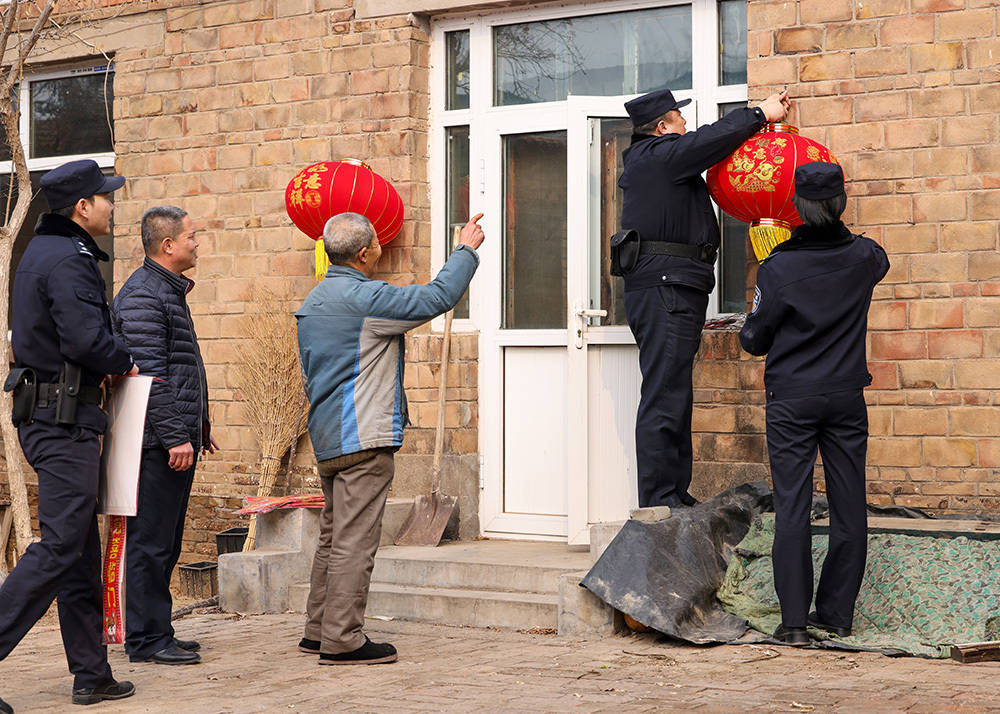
114,583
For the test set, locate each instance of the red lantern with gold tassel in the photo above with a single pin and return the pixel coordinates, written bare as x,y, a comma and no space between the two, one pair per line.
756,182
323,190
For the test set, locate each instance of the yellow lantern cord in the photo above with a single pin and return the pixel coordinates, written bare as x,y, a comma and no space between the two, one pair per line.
322,260
767,233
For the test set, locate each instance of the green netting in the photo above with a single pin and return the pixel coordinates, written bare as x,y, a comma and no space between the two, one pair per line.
920,594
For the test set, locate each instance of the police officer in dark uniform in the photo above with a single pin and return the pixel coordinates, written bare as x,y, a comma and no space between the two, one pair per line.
810,316
666,203
63,348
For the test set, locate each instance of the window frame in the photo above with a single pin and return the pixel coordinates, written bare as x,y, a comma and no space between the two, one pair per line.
706,91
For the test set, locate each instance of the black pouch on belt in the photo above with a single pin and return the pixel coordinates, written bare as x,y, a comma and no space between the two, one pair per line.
625,246
23,385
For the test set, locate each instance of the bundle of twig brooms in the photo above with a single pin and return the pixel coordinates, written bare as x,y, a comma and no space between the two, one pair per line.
269,376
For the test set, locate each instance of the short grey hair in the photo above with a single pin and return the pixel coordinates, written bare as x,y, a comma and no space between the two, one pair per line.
650,126
160,222
824,212
345,235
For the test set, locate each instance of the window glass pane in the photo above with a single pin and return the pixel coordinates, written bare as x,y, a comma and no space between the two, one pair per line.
70,115
534,225
615,136
732,42
733,258
457,63
457,147
15,95
604,55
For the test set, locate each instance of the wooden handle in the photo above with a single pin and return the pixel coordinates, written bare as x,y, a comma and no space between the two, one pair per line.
443,388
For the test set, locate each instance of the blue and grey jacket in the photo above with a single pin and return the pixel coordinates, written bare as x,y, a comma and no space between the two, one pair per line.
351,345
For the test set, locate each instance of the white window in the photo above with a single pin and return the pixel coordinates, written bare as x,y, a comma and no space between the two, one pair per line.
521,75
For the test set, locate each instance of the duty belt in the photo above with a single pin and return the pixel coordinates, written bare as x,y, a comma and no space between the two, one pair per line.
48,392
705,252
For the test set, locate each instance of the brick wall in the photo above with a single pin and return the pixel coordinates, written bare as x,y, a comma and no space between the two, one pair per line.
906,93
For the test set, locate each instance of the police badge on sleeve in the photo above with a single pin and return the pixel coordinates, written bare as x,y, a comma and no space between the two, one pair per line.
756,300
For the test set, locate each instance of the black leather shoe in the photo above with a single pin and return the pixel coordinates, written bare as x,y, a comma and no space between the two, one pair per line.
368,653
794,636
688,500
814,621
171,654
111,690
6,708
309,646
189,645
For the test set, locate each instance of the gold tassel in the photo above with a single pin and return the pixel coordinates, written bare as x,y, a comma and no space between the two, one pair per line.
322,261
767,233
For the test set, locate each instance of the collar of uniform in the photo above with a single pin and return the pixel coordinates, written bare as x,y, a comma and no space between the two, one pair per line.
182,282
636,138
816,237
346,271
55,225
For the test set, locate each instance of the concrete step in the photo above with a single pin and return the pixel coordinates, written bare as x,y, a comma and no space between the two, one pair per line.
493,565
454,606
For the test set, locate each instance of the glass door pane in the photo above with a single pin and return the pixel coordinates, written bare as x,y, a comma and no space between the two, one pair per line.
615,135
534,227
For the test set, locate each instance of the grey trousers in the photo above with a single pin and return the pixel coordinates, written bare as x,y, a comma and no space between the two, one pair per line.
350,527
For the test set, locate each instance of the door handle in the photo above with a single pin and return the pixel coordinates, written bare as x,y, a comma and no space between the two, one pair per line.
583,316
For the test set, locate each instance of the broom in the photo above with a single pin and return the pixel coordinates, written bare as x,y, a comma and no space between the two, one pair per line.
270,380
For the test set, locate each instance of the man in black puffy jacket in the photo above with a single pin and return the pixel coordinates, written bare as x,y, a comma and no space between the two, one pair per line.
150,312
810,317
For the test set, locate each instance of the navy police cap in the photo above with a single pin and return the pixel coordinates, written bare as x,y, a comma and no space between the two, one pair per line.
648,107
819,180
65,185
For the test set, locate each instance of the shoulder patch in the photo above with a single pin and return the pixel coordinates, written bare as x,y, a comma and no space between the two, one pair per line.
756,300
82,248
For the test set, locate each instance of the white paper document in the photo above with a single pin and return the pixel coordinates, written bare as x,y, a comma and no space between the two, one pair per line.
123,446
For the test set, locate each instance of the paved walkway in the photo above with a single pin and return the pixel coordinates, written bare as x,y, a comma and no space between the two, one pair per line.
251,665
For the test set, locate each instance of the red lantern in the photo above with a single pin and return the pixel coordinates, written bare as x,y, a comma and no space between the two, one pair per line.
323,190
755,184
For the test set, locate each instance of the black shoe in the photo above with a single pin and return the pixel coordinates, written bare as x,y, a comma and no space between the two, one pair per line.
814,621
795,636
189,645
688,500
309,646
171,654
368,653
111,690
6,708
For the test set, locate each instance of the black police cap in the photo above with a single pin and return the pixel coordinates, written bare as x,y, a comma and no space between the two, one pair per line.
648,107
819,180
65,185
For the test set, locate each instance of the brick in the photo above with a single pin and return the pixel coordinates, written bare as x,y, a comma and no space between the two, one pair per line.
985,205
878,63
965,25
983,312
936,57
974,421
918,421
937,5
835,65
878,210
983,53
879,107
906,29
949,452
851,35
350,58
925,374
936,313
898,345
941,102
770,15
271,68
857,137
969,130
822,11
773,70
332,85
235,72
977,374
824,111
294,89
887,316
984,99
984,266
942,162
894,451
798,39
911,133
880,8
941,268
989,452
884,375
237,36
937,207
163,80
953,344
910,239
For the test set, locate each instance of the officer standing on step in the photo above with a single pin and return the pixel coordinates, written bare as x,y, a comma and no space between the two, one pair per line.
810,316
676,238
63,349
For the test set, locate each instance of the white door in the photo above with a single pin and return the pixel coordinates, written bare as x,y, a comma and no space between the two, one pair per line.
602,359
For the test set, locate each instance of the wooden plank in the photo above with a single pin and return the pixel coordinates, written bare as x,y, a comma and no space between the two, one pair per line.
941,527
976,652
5,523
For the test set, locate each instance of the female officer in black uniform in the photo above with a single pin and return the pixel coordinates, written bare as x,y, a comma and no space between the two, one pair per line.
810,316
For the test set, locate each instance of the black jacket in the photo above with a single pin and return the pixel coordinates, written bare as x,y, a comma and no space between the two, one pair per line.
60,313
150,312
666,199
810,312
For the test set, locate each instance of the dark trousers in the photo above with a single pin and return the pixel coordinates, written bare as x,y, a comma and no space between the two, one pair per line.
836,423
152,546
66,562
667,322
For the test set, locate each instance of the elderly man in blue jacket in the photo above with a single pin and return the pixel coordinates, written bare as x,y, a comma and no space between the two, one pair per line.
351,330
151,313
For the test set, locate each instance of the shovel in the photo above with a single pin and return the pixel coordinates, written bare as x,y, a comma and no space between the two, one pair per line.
429,516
